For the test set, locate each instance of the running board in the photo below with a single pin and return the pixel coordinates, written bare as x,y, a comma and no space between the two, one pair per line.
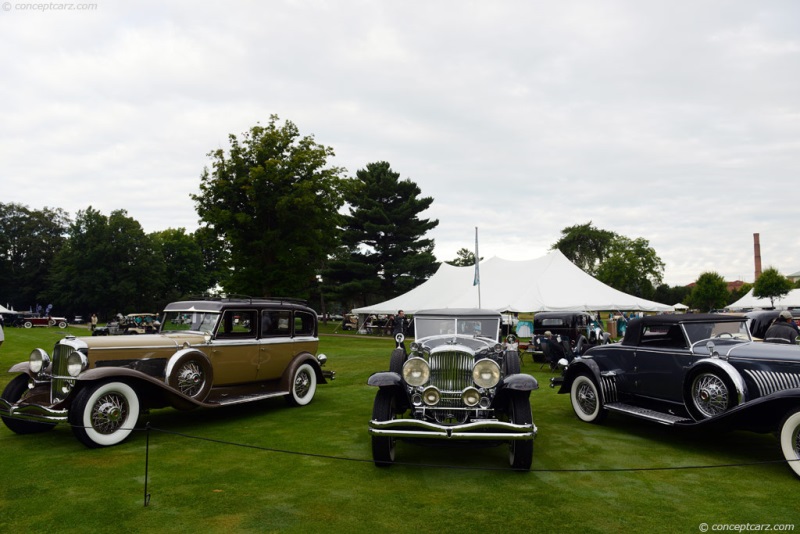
239,399
644,413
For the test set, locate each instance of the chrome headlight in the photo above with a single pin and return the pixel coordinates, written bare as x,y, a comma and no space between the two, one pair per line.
431,396
486,373
38,361
470,397
76,363
416,371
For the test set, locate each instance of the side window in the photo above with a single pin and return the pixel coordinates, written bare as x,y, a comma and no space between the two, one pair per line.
237,324
663,336
275,323
303,324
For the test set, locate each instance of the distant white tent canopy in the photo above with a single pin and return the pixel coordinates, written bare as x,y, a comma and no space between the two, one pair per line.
549,283
791,300
3,309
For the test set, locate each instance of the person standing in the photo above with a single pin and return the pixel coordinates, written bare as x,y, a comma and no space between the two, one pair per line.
94,322
783,330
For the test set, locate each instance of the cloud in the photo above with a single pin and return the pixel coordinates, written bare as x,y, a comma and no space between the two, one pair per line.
672,121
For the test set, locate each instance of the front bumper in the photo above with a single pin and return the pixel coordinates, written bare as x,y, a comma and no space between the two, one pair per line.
32,412
477,430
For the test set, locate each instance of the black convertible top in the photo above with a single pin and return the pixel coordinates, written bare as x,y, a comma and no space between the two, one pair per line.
634,330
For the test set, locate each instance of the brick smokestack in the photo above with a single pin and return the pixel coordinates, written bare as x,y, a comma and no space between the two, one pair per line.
757,254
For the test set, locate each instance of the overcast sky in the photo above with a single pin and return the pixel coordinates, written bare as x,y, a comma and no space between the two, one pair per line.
675,121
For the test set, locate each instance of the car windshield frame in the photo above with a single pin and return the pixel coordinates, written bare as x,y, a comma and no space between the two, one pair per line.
485,327
697,332
190,321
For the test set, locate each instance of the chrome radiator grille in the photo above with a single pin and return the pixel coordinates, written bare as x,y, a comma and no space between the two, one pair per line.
451,373
770,381
59,383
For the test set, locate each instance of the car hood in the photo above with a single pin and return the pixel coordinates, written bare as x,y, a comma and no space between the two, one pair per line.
144,340
754,351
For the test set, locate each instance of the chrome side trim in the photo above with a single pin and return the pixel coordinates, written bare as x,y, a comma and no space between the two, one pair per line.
769,382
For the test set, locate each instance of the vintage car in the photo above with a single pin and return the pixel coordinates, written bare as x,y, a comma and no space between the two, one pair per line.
458,384
700,370
569,325
134,323
29,321
209,353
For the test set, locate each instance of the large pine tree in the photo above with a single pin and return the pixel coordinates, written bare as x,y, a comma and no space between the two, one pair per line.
385,252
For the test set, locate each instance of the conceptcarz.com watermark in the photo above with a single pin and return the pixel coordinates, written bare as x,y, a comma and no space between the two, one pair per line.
47,6
746,527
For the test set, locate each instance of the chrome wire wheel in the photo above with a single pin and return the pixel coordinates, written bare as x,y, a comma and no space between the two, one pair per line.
191,378
109,412
302,383
586,401
710,394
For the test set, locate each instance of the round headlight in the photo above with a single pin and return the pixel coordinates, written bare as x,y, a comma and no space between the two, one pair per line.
470,397
486,373
76,362
38,360
431,396
416,371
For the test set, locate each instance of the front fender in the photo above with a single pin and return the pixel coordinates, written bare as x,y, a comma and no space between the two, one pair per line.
729,370
384,379
579,366
519,382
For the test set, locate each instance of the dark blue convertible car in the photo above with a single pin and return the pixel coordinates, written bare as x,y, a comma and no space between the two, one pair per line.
692,370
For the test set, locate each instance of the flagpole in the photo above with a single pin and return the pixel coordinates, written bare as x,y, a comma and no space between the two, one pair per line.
477,281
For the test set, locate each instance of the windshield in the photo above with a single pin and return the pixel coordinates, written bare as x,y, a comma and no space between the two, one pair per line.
727,330
484,327
196,321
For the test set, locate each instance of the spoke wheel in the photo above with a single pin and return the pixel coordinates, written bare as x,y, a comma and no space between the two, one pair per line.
192,375
710,395
586,401
104,414
303,384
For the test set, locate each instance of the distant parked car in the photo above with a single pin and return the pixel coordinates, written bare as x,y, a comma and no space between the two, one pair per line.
100,385
134,323
459,384
29,321
571,326
699,370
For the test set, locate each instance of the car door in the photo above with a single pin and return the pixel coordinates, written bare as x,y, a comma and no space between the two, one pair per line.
234,351
275,349
662,358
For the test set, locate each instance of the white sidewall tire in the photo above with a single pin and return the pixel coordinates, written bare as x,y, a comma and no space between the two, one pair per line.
581,382
106,440
788,437
305,370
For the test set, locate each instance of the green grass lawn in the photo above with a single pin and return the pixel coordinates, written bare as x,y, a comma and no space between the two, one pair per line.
265,467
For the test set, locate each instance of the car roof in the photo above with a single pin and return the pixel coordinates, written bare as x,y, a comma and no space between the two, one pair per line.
634,330
218,305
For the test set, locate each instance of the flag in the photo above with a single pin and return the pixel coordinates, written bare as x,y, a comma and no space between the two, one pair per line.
477,280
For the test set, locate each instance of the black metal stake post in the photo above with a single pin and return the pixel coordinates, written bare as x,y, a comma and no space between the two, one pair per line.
146,465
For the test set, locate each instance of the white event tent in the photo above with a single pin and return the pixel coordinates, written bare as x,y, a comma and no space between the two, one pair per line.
549,283
791,300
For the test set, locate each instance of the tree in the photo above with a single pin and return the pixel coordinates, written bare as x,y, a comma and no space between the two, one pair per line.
464,258
629,265
710,292
585,246
28,240
632,266
185,272
736,294
671,295
385,252
273,201
772,285
108,265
